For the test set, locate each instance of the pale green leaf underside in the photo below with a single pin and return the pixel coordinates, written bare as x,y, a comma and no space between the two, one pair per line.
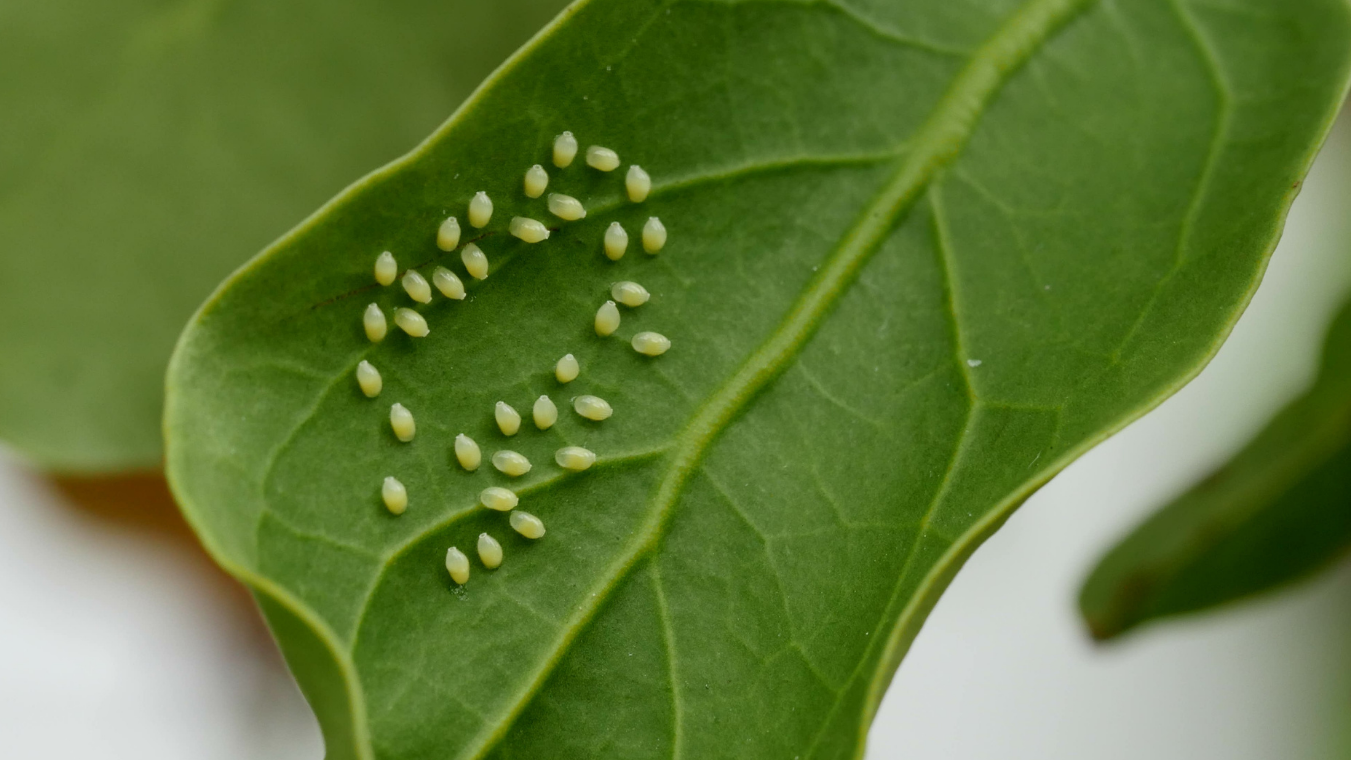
148,147
921,255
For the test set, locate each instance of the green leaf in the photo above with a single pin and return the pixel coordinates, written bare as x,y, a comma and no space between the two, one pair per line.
148,147
921,256
1277,512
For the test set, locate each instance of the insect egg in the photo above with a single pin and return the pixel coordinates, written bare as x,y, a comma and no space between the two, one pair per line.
592,407
489,551
511,463
654,235
651,344
616,241
467,452
527,524
394,495
574,458
638,183
368,377
566,207
536,179
498,498
449,285
386,268
416,286
508,419
629,293
545,413
529,230
475,261
374,322
602,158
448,235
457,565
402,421
607,319
411,322
480,209
567,369
565,149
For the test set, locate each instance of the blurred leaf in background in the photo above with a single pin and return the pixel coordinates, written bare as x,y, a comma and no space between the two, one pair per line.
921,256
148,147
1278,511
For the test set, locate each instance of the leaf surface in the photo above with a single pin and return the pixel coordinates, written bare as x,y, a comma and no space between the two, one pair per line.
147,148
1277,512
921,255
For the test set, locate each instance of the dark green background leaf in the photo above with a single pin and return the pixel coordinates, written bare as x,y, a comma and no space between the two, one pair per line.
147,147
922,255
1280,510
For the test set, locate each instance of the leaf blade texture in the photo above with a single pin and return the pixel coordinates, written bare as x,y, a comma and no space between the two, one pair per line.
920,257
1277,512
182,138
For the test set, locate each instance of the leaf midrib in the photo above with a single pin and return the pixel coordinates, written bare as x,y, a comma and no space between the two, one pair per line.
938,142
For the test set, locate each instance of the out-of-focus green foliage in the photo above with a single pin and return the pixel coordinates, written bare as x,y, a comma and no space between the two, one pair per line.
148,147
922,254
1278,511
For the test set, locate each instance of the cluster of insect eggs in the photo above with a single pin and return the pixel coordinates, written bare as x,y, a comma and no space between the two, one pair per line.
638,185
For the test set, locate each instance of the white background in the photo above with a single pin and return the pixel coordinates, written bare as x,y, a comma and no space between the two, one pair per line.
122,642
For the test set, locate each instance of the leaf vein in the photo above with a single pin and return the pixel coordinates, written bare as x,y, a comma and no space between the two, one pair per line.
323,538
668,640
871,26
834,400
1225,99
921,528
455,516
